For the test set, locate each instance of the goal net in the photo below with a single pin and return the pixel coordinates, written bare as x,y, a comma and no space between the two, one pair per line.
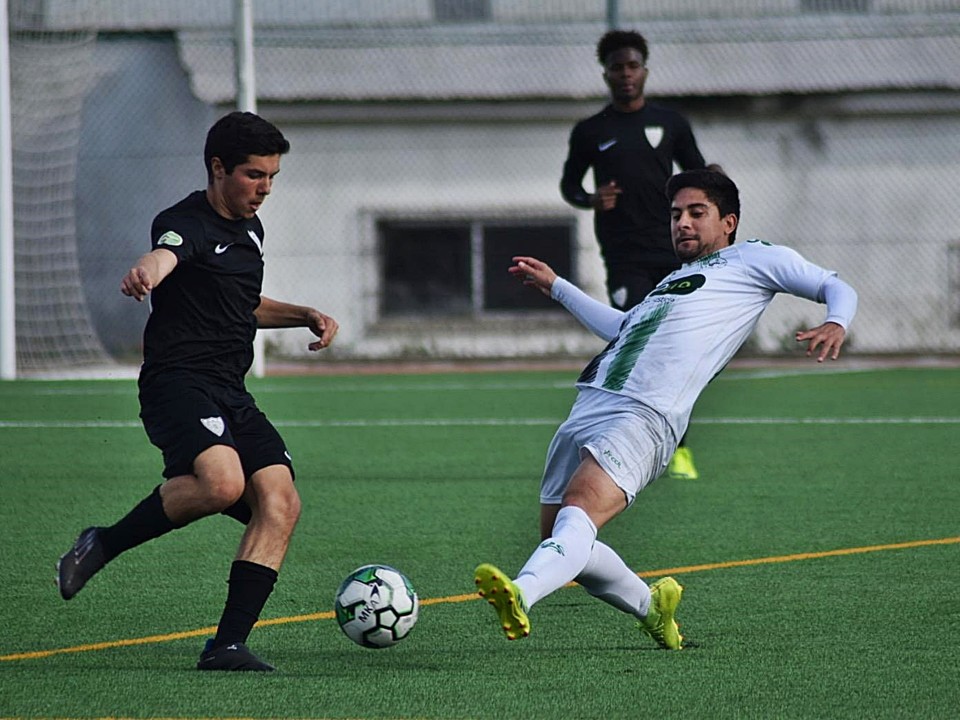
50,72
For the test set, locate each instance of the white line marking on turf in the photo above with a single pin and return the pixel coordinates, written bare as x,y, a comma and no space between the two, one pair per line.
330,385
299,389
828,421
494,422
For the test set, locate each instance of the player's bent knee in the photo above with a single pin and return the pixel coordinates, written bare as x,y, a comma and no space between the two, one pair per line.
223,491
285,507
277,500
220,477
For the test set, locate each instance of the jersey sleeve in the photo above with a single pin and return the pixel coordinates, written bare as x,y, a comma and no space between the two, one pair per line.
782,269
600,319
180,235
686,153
575,167
841,301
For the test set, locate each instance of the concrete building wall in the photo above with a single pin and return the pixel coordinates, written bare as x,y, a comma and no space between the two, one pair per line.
858,183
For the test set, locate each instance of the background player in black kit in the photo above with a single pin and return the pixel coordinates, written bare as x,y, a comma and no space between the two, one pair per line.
631,145
220,453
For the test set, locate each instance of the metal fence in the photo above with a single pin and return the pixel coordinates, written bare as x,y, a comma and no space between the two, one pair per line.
437,130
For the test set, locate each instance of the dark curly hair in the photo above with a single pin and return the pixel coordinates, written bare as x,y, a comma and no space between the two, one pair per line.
237,136
718,188
619,39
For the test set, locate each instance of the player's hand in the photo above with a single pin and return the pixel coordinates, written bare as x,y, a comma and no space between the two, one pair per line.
827,337
136,283
605,198
533,272
324,327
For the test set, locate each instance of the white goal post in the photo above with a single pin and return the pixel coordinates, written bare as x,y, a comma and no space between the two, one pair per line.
8,329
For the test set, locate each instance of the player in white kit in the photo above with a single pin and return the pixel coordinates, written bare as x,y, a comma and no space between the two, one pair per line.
635,397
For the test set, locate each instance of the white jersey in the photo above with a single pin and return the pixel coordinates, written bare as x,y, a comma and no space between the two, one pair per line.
667,348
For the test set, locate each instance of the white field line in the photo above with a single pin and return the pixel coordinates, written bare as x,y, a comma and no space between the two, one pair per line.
129,388
497,422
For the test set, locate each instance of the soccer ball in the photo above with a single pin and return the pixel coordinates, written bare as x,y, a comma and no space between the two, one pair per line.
376,606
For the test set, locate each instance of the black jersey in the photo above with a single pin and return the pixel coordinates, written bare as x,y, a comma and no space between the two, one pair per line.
637,150
202,314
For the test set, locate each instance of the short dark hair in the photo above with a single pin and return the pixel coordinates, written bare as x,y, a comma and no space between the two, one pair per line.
235,137
718,188
619,39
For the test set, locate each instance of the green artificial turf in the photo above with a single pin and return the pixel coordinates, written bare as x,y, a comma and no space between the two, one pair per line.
809,591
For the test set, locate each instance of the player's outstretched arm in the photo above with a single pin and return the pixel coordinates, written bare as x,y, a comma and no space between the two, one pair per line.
534,273
824,340
276,314
149,272
600,319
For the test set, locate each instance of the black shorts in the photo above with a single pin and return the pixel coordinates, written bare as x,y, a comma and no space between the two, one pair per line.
183,416
628,286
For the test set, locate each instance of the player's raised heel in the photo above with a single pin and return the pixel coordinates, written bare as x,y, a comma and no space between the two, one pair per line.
497,589
660,622
80,563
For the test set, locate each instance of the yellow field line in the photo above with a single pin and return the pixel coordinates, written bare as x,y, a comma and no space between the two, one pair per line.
208,631
802,556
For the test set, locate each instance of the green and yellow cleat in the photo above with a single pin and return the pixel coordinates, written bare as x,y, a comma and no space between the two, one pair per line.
660,623
681,465
506,598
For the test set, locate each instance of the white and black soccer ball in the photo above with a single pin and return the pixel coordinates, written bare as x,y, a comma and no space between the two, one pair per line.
376,606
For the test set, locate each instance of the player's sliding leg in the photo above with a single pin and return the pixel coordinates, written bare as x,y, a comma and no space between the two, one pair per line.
608,578
557,560
660,622
497,589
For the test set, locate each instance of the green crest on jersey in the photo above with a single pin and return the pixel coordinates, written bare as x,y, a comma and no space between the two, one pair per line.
170,238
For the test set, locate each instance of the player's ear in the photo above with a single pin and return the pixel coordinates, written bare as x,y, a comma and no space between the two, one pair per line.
730,222
216,167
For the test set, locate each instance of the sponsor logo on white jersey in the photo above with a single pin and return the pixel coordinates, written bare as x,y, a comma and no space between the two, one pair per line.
613,458
214,425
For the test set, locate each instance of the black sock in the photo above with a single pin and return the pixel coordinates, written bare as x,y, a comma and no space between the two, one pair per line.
250,586
145,522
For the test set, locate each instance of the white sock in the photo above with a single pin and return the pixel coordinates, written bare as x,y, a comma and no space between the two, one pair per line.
560,558
607,577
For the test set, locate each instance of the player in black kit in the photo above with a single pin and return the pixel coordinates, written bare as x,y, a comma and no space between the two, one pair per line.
632,145
220,453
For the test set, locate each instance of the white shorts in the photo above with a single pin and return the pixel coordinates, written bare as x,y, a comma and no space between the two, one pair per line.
631,442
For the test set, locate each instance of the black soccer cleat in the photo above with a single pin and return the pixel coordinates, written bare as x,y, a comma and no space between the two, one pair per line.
235,656
80,563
